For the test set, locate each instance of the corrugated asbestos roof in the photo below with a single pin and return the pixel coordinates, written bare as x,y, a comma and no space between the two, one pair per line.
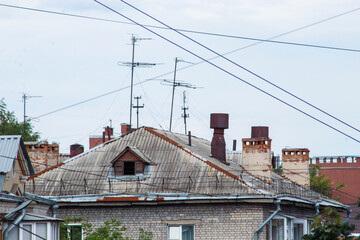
9,147
179,168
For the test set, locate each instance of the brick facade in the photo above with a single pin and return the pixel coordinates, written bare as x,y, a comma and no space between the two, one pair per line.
211,221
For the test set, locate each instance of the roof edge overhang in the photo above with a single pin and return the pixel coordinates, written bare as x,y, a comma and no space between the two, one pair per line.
156,199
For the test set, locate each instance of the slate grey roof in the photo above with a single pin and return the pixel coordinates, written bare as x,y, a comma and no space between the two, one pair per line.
10,146
178,169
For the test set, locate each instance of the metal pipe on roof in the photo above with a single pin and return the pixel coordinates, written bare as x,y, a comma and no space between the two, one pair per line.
277,203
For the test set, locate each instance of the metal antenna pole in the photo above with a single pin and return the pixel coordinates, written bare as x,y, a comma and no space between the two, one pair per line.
137,110
24,98
185,115
132,75
173,93
134,64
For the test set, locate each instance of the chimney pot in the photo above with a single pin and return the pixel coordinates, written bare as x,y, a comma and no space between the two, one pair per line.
219,122
76,149
259,132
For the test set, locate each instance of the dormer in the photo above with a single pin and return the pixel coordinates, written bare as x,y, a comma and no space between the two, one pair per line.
130,163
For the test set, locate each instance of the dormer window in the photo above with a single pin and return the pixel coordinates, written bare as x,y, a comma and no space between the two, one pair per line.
129,168
130,163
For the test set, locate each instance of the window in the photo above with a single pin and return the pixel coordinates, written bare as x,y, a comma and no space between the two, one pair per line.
129,168
37,231
298,231
181,232
288,228
72,231
278,229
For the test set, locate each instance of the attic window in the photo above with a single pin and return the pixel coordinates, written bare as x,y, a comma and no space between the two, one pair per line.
130,164
129,168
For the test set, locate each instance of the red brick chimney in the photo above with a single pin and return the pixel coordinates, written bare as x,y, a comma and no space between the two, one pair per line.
219,122
109,131
76,149
125,128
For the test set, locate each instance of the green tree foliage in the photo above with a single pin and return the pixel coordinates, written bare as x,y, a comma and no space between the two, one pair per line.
329,226
110,230
319,183
9,125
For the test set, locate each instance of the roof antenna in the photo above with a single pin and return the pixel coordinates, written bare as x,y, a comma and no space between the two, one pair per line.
134,64
174,84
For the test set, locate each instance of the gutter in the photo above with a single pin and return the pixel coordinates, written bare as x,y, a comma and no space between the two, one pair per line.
277,203
17,220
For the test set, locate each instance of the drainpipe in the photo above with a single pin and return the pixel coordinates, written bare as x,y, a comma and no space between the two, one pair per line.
17,220
277,203
348,215
54,209
317,206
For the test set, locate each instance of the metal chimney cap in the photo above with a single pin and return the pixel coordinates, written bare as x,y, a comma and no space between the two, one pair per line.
259,131
219,120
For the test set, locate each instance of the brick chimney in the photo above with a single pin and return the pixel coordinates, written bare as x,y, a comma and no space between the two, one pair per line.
219,122
125,128
109,132
295,163
76,149
256,154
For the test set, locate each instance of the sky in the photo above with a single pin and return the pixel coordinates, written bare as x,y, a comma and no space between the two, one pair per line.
61,60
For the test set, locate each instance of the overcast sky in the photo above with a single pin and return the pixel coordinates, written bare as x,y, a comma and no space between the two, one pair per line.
66,60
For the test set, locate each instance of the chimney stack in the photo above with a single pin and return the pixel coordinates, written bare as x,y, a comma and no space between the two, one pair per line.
256,154
295,163
125,128
109,131
219,122
76,149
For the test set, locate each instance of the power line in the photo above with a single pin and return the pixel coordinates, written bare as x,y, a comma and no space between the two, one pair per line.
183,68
238,65
198,32
229,73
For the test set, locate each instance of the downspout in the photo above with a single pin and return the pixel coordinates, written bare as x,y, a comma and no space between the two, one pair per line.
54,209
17,220
317,206
277,203
348,215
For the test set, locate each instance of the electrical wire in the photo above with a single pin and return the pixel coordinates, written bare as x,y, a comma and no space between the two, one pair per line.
229,73
182,68
238,65
193,31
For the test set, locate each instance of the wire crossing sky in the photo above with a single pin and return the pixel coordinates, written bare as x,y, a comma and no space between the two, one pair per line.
67,52
233,75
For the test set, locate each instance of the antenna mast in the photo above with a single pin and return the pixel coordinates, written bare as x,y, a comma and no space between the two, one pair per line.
184,108
137,110
24,98
134,64
174,84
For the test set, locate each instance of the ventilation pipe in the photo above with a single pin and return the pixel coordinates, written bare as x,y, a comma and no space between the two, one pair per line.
219,122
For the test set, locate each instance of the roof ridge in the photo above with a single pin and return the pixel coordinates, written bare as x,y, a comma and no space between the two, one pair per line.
153,131
77,156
